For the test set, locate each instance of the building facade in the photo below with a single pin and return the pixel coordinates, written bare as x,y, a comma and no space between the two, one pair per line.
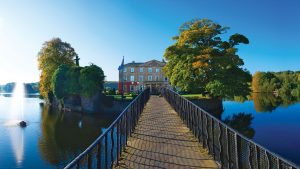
135,77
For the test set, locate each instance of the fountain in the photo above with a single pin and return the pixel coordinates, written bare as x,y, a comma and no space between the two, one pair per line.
16,123
17,103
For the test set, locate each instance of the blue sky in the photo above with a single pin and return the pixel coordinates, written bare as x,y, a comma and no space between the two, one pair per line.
103,31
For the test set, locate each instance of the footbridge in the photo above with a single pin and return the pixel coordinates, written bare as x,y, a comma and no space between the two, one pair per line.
172,132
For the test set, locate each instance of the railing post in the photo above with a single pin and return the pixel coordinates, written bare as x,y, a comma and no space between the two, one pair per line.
106,152
202,123
221,141
213,138
228,148
237,149
112,147
118,142
89,161
99,155
267,159
257,156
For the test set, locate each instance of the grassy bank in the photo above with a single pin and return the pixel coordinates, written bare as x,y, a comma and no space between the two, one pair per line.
194,96
127,97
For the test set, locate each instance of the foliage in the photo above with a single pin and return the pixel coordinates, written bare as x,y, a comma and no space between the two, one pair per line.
29,88
59,82
265,82
91,80
53,54
201,62
285,83
109,91
74,80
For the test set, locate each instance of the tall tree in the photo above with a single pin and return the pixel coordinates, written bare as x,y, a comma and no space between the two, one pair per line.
53,54
200,61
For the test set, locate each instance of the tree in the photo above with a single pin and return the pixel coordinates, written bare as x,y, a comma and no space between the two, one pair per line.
53,54
59,81
200,61
91,80
256,86
74,80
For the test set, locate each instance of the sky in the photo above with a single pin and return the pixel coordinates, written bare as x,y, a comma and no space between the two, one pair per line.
103,31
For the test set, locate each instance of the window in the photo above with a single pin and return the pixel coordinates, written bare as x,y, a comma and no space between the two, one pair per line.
149,78
141,69
125,78
156,78
132,78
132,69
141,78
157,70
150,69
124,70
166,79
131,88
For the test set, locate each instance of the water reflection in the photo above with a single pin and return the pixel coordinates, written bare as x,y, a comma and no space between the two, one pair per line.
238,121
66,134
242,123
16,135
267,102
213,106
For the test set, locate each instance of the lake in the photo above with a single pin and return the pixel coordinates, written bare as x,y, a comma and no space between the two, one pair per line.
51,138
275,123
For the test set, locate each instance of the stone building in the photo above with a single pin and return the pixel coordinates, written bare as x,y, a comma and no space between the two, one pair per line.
137,76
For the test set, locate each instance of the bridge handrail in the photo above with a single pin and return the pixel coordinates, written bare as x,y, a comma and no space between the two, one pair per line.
124,124
227,146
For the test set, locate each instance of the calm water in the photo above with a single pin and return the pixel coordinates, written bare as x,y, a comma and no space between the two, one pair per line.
51,138
275,123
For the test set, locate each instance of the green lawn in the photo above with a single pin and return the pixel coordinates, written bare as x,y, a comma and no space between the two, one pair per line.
118,97
193,96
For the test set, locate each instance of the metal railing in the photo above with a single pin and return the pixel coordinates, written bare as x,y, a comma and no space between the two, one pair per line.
229,148
108,146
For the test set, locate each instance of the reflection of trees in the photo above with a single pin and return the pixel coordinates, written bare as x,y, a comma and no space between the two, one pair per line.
242,123
213,106
62,137
267,102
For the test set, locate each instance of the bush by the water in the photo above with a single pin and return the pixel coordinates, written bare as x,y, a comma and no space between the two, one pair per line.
73,80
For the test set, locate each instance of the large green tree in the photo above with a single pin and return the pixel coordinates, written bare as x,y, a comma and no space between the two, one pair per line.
53,54
200,61
74,80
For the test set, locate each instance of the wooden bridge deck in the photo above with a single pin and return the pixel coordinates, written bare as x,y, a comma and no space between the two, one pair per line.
161,140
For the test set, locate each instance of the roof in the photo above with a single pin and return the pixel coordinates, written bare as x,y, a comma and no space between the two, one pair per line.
154,63
133,64
146,64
